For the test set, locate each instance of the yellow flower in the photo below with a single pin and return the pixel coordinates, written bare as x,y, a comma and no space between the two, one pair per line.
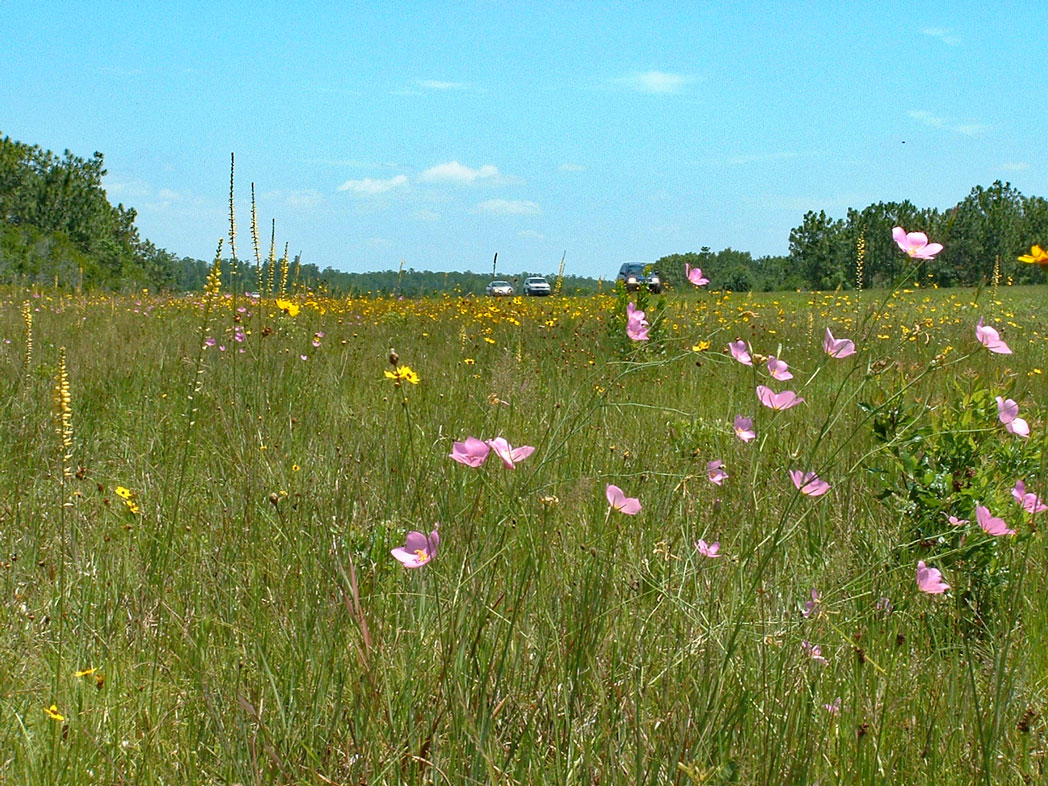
1037,256
469,361
403,373
54,714
702,346
85,672
122,492
289,308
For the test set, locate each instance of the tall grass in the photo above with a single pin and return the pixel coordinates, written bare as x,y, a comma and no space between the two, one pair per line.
248,625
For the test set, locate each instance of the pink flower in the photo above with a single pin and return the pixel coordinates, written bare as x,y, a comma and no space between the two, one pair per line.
708,549
620,502
740,352
956,522
991,339
837,347
715,472
695,276
811,608
991,524
834,707
915,244
814,651
509,455
1008,414
209,342
744,428
778,369
1031,502
809,483
472,452
777,401
930,580
636,324
417,549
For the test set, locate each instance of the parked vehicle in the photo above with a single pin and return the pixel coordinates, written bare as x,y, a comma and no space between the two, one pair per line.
499,289
633,277
536,285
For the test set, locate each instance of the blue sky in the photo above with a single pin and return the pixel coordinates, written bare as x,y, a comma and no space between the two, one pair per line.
440,133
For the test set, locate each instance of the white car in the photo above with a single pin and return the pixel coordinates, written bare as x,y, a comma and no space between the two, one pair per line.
536,285
499,288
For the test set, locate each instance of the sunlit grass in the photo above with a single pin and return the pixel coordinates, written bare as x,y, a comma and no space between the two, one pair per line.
208,596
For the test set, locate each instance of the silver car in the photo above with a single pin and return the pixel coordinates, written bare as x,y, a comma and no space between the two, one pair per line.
536,285
499,289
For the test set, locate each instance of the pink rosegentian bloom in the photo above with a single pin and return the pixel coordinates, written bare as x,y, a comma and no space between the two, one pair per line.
620,502
636,324
991,525
1031,502
809,483
509,455
814,651
740,352
956,522
991,339
715,472
930,580
834,707
915,244
811,608
837,347
779,369
708,549
744,428
777,401
695,276
417,549
1008,414
472,452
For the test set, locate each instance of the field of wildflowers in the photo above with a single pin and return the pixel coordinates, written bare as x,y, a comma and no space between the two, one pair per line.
704,538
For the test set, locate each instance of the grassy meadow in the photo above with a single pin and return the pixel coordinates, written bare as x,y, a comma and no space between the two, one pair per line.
196,536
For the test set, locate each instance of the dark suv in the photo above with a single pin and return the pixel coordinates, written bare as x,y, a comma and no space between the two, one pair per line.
632,276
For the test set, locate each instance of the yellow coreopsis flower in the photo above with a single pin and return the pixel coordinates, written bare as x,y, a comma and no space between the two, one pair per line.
122,492
54,714
289,308
1037,256
403,373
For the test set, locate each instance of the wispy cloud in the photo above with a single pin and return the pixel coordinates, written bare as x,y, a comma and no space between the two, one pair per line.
454,172
944,34
1015,166
369,186
656,82
509,207
427,214
435,84
531,234
934,121
300,199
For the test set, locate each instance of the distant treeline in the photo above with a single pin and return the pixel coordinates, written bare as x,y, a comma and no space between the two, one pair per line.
58,227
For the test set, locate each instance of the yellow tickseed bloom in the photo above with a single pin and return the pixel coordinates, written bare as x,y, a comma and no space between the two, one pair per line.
469,361
1037,256
702,346
295,467
85,672
132,505
54,714
403,373
122,492
489,340
289,308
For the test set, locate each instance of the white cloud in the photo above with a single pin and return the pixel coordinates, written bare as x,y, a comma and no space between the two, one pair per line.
509,207
369,187
454,172
659,82
434,84
572,168
1015,166
531,234
927,118
944,34
934,121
